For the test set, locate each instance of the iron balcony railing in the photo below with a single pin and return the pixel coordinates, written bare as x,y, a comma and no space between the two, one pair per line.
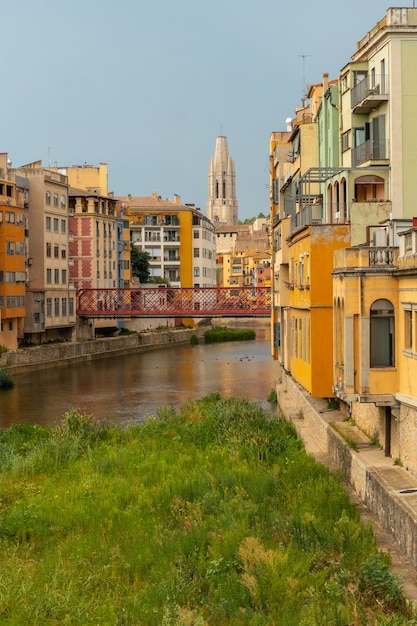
372,87
370,150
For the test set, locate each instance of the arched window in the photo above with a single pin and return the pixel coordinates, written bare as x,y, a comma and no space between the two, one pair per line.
224,189
217,188
382,322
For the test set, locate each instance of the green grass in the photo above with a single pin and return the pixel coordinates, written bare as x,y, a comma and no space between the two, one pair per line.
210,516
220,334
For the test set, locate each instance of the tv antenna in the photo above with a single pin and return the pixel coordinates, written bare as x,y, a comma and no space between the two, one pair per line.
304,56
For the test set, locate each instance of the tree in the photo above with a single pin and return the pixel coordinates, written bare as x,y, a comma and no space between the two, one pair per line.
140,264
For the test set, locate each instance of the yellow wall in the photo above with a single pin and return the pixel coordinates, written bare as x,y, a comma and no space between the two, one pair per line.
88,177
311,299
186,248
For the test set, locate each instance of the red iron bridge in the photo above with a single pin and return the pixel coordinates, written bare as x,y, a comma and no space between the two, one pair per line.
175,302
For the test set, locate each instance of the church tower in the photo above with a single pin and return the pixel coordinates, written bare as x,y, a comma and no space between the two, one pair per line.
222,206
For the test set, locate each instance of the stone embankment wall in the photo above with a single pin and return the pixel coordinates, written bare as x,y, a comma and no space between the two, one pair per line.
61,354
388,491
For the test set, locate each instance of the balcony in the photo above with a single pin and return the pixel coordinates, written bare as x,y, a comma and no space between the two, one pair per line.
370,150
366,258
369,94
308,215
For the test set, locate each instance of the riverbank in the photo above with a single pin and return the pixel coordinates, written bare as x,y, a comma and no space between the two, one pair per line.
211,515
385,492
50,355
63,354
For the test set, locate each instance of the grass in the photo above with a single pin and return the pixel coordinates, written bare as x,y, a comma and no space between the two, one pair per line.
221,333
213,515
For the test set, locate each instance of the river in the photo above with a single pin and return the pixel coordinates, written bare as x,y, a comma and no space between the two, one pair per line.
128,388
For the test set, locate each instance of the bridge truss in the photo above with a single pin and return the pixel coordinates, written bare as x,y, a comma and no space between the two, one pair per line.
175,302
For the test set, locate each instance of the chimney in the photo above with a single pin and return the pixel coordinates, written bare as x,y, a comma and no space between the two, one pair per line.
325,82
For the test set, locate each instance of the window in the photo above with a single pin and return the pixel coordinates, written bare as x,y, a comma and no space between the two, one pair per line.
56,251
64,306
63,252
196,271
63,226
63,202
408,330
48,276
56,276
196,234
10,248
48,249
56,223
345,141
20,247
10,217
48,197
71,306
48,222
56,307
64,277
48,307
55,199
196,253
382,334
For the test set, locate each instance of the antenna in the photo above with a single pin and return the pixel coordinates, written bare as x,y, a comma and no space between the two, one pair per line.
221,129
303,56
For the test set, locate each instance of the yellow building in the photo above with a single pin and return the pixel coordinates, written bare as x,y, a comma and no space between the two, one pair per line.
12,258
88,177
365,292
309,312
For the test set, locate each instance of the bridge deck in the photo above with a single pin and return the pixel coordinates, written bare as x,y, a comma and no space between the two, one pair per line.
175,302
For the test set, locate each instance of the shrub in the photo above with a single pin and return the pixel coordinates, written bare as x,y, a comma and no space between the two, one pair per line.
6,379
219,334
194,340
379,585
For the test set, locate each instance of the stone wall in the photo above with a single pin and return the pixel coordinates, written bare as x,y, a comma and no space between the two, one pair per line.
61,354
389,491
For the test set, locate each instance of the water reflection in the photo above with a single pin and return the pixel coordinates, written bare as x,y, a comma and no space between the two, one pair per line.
127,388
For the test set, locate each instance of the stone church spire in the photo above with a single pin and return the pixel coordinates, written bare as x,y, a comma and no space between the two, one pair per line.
222,208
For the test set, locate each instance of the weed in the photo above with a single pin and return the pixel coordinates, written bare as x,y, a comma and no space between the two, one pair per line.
6,379
398,462
272,397
194,340
333,404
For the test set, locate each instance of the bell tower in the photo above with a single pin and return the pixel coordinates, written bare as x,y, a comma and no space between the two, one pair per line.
222,208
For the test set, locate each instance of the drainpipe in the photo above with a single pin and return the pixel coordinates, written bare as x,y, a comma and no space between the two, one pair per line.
388,417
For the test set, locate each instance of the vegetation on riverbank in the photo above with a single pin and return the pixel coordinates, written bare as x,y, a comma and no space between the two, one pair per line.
213,515
222,333
7,381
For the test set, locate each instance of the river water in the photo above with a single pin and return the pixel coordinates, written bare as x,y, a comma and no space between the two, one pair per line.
128,388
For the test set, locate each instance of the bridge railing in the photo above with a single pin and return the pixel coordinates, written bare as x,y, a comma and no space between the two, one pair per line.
174,302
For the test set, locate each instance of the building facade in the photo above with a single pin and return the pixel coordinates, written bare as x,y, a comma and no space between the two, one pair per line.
13,207
178,238
50,293
361,192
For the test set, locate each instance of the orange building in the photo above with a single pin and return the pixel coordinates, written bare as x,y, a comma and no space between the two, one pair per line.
12,258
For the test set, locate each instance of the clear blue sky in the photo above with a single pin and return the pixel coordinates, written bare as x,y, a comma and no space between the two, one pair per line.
147,85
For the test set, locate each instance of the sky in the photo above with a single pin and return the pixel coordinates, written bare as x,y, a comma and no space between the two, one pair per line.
146,86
